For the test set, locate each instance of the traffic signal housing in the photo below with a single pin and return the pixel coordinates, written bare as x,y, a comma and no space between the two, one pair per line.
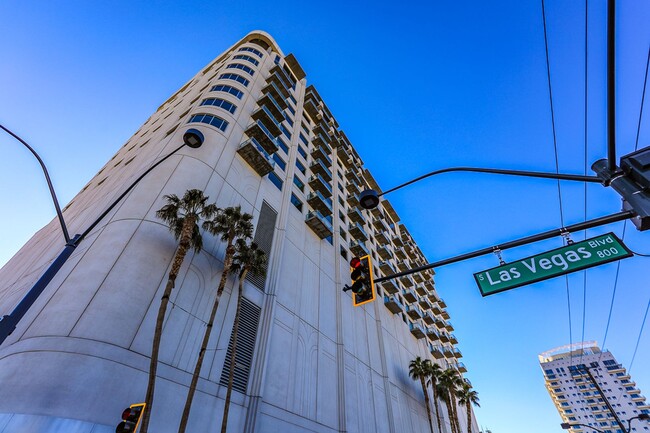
130,418
363,285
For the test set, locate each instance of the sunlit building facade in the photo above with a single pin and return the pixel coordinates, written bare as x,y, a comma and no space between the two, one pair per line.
575,376
309,360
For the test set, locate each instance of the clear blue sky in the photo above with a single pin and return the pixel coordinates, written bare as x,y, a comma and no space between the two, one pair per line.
416,86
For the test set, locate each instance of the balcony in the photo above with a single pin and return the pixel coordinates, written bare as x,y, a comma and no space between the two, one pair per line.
448,352
352,200
322,140
352,176
382,238
318,202
407,280
428,283
324,132
618,368
319,152
444,314
457,353
418,277
356,215
318,167
444,336
344,156
416,330
422,291
442,303
319,224
311,108
436,351
279,97
413,312
282,76
393,304
397,241
404,265
255,155
384,252
409,295
352,188
433,334
453,339
390,286
357,232
400,253
317,183
461,367
435,307
428,318
386,268
264,115
440,323
380,225
359,248
268,101
424,303
263,136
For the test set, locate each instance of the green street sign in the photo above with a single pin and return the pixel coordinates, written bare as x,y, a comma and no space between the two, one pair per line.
571,258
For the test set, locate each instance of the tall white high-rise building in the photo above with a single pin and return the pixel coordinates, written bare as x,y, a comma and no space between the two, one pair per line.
308,360
581,379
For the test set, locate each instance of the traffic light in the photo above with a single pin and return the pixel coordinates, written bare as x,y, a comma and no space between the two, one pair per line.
363,286
130,418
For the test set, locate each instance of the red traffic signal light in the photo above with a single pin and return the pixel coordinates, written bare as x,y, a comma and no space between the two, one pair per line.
130,418
363,286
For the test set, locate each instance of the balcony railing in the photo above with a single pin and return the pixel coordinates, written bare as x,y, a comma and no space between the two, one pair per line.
390,286
317,201
317,166
384,252
393,304
407,280
352,176
416,329
259,132
424,303
319,152
357,231
255,155
317,183
359,248
413,312
264,115
278,95
356,215
311,108
422,291
433,334
386,268
319,224
436,351
428,318
267,100
409,295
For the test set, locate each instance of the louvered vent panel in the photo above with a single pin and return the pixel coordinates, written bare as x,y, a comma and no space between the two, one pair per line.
247,334
264,238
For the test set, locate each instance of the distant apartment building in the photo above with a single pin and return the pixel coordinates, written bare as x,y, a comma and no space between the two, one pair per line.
576,396
310,361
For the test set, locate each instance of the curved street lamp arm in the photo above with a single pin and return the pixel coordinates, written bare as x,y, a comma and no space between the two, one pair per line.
575,177
49,183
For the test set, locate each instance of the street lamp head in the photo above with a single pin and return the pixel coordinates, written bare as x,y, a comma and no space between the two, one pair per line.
369,199
644,416
565,426
193,138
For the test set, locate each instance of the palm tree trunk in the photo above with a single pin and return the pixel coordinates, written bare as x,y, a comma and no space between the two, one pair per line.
454,409
230,251
435,404
469,417
426,402
450,412
181,252
233,355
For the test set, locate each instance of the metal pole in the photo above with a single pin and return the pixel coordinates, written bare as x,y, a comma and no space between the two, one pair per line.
59,214
620,216
611,85
575,177
609,406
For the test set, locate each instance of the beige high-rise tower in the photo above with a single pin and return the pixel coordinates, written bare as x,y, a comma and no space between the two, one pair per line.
309,361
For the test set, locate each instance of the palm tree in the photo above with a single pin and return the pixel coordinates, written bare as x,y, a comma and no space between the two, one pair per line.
230,224
433,377
248,259
467,396
449,383
419,370
182,215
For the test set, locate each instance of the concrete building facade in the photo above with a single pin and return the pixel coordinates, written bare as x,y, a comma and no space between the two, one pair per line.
310,361
578,399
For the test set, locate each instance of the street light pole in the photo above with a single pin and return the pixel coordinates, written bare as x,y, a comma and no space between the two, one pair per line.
566,426
192,138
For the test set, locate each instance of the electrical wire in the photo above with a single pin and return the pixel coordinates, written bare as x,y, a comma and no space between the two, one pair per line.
557,161
586,98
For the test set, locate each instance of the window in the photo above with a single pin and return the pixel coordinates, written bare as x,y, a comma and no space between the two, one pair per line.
279,161
301,167
291,109
244,68
251,50
285,131
302,152
221,103
275,179
247,58
304,140
283,145
210,120
228,89
289,121
296,202
234,77
298,183
344,253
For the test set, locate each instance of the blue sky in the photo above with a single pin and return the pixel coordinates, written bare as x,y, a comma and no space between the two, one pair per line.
416,87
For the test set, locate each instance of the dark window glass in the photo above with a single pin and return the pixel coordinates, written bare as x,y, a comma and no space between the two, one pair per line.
210,120
279,161
304,139
228,89
296,202
298,183
251,50
289,121
301,167
302,152
247,58
283,145
221,103
244,68
285,131
275,179
291,109
235,77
